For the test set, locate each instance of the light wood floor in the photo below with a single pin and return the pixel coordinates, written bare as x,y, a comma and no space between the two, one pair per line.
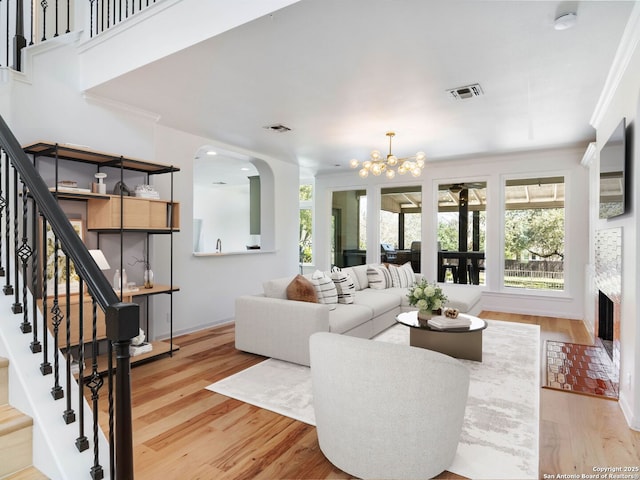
182,431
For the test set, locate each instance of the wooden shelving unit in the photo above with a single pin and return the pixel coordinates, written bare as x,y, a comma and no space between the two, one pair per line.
117,214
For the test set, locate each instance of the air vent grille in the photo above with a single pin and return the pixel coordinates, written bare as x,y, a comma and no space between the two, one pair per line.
466,92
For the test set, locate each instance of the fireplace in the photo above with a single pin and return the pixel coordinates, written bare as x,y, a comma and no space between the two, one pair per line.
605,324
608,279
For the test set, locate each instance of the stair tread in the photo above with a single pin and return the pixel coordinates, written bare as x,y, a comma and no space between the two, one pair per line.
12,420
29,473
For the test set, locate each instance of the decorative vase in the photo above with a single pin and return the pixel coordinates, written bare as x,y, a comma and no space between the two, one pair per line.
425,315
148,278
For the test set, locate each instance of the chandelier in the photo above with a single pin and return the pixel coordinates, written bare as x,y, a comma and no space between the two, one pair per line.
391,164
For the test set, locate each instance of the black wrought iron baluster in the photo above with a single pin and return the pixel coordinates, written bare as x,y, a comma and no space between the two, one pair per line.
112,416
45,366
8,288
56,17
32,24
24,253
56,318
82,442
17,306
3,203
7,34
35,343
120,10
95,384
69,415
68,16
91,2
101,9
19,42
109,13
44,6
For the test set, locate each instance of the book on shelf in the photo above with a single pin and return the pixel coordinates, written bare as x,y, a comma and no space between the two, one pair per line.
144,347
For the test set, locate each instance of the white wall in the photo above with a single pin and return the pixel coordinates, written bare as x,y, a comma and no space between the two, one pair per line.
210,284
224,211
621,98
493,169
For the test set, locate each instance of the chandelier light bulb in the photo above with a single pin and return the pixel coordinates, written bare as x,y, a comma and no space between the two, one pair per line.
402,169
375,155
416,172
376,169
364,173
420,156
392,160
390,173
420,163
354,163
367,164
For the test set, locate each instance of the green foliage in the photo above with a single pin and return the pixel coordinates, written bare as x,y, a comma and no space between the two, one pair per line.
538,232
305,235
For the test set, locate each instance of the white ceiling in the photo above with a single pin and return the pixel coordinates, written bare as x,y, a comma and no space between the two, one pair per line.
341,73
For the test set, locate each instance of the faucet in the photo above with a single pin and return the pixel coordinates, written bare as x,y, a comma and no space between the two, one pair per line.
219,246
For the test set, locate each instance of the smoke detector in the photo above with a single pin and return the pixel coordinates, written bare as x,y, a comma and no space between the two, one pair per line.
466,92
278,127
565,21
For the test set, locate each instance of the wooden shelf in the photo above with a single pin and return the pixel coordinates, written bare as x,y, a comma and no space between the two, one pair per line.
129,295
79,153
132,213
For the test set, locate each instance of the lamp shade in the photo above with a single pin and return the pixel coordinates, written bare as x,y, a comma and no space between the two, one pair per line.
100,259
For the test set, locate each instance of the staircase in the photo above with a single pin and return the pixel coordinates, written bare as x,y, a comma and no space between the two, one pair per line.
16,438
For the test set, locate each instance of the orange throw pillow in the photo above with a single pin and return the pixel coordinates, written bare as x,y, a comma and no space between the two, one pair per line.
302,290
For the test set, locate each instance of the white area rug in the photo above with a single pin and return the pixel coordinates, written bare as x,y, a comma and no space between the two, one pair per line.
501,428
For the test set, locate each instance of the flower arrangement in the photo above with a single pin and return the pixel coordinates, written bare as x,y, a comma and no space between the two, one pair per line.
426,296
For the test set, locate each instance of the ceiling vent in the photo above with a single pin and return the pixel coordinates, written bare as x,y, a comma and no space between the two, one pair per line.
278,127
468,91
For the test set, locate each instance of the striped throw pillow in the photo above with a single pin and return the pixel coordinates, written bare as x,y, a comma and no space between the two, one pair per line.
402,275
325,288
379,277
344,286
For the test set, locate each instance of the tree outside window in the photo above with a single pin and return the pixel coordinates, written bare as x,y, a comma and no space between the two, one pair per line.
306,224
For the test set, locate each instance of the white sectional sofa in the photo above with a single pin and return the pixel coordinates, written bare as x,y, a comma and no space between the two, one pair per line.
269,324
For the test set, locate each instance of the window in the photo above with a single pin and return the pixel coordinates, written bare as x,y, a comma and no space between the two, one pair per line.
349,228
306,224
461,232
401,225
534,233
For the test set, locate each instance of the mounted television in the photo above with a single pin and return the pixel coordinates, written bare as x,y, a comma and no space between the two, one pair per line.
612,173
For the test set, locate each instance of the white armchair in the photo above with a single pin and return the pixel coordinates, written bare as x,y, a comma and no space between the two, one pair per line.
385,410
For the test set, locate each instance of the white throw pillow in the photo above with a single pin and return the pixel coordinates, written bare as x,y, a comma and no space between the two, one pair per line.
325,288
402,275
344,286
379,277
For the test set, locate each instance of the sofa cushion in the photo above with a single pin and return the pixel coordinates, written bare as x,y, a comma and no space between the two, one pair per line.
378,301
325,288
277,288
402,275
302,290
360,275
379,277
344,286
348,317
462,297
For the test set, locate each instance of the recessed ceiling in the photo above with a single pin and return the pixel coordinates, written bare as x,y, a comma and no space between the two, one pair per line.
342,73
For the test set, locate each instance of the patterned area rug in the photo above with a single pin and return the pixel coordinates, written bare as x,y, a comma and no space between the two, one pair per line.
585,369
501,427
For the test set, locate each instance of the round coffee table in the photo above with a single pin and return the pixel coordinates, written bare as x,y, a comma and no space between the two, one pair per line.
459,343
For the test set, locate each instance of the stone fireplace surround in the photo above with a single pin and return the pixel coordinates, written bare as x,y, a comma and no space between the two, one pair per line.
608,279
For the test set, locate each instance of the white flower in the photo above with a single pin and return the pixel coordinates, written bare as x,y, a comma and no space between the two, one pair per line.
417,292
437,304
429,291
422,304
